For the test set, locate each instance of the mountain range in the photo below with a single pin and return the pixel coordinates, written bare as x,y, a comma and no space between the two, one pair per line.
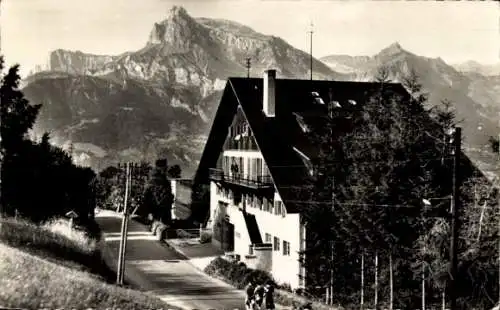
161,99
475,67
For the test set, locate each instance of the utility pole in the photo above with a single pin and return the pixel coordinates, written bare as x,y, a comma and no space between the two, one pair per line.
248,66
124,230
362,280
330,120
455,224
311,50
498,197
331,246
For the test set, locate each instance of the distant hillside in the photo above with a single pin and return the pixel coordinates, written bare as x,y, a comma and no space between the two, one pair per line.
475,97
475,67
136,105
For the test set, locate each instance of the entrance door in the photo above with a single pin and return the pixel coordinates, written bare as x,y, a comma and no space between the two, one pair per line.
227,241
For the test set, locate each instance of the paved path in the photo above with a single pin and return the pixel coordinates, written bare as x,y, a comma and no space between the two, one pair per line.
154,267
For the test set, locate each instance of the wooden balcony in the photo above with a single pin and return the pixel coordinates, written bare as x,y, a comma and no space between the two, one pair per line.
256,182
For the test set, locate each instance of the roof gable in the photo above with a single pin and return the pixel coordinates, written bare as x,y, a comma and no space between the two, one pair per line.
282,139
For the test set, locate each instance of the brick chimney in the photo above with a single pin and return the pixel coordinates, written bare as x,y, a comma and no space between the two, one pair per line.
269,100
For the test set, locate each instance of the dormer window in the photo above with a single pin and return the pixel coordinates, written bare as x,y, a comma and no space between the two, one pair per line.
301,122
307,162
317,97
336,104
319,100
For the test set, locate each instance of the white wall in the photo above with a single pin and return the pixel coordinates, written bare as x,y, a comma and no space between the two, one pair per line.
285,268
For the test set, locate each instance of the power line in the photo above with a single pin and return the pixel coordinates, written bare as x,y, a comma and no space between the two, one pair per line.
363,161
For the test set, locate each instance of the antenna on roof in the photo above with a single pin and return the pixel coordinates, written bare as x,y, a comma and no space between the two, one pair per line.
248,66
311,49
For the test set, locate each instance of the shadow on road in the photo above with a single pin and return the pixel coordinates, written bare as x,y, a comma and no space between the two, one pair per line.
109,224
144,249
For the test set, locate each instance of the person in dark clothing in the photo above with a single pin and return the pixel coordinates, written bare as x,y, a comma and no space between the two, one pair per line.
249,290
269,296
259,295
234,171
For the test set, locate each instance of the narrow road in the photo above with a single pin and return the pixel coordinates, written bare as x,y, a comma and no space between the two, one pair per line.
155,268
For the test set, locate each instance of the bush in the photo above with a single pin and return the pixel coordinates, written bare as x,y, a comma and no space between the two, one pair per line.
238,275
160,232
205,238
184,234
154,226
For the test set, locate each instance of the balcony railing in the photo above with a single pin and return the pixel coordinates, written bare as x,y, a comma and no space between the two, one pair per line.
244,143
261,181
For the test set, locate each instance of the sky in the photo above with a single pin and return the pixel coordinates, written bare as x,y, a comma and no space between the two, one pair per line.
454,31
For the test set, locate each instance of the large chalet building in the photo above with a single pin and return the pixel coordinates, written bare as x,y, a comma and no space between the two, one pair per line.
257,154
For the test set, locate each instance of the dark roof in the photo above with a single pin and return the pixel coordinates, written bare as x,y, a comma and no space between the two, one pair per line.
277,136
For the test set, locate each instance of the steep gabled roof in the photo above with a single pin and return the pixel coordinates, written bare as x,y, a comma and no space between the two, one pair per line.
280,137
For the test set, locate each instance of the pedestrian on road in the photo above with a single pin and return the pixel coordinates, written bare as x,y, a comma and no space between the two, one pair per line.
269,296
249,290
259,295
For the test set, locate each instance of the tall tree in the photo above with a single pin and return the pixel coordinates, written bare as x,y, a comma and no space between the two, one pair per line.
35,175
174,172
17,117
158,197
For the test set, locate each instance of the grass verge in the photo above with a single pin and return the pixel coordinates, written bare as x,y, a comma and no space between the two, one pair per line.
55,241
29,282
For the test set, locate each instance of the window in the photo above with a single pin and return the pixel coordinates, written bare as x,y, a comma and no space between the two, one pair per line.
319,100
256,202
301,281
276,243
270,206
268,238
277,207
286,248
266,205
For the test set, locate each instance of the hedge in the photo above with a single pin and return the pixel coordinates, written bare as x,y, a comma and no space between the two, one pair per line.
154,226
205,237
238,275
160,232
184,234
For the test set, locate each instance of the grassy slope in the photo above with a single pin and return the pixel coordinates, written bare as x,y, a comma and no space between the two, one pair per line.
57,243
56,267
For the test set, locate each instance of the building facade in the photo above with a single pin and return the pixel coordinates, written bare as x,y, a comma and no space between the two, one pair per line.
258,155
243,194
181,189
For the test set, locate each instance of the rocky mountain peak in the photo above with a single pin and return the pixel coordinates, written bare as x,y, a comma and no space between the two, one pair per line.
177,12
176,29
393,49
76,62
